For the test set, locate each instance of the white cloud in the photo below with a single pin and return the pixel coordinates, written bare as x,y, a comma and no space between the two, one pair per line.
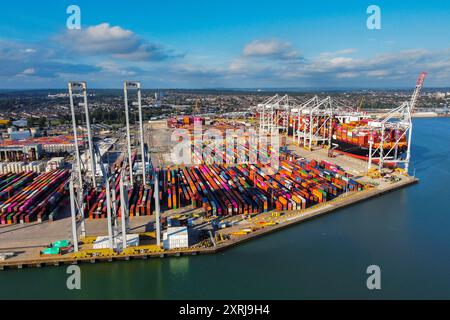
340,62
271,48
109,54
101,39
238,65
344,75
330,54
378,73
114,41
29,72
29,50
115,69
395,68
245,68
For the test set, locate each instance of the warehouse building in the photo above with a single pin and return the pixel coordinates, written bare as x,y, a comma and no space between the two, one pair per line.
29,152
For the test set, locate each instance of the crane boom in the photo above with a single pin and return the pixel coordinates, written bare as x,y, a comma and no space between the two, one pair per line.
361,104
415,96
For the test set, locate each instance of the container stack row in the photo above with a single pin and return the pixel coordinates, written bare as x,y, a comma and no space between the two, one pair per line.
140,198
254,188
28,197
223,190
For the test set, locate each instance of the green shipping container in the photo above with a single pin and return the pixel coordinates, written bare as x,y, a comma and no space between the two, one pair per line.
61,244
51,251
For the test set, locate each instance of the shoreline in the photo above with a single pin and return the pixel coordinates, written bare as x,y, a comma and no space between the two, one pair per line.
308,214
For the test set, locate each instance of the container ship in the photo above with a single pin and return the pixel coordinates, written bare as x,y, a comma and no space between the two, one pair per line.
354,139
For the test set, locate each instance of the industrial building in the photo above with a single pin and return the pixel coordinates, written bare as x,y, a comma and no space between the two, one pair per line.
32,149
20,152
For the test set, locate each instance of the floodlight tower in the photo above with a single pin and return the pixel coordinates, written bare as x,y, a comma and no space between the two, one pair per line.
135,85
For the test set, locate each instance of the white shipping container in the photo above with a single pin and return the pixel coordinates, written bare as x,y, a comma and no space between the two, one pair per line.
103,242
375,124
176,237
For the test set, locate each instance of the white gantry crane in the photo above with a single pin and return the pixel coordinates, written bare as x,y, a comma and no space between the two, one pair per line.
274,114
297,114
135,85
399,121
77,181
79,167
318,124
313,120
90,156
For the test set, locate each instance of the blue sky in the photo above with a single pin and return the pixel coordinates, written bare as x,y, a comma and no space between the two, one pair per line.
208,44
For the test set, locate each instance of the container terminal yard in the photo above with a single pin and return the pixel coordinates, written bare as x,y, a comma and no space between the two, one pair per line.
126,195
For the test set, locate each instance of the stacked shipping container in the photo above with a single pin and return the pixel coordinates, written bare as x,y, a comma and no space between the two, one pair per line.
140,199
251,189
27,197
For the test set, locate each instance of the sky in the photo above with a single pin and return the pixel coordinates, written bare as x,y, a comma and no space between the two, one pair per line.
224,44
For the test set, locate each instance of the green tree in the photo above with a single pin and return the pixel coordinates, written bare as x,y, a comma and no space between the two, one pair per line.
42,122
30,121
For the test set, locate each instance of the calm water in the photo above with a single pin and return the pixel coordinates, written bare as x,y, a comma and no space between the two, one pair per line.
406,233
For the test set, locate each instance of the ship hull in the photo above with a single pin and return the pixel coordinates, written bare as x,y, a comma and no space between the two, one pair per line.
354,150
350,148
